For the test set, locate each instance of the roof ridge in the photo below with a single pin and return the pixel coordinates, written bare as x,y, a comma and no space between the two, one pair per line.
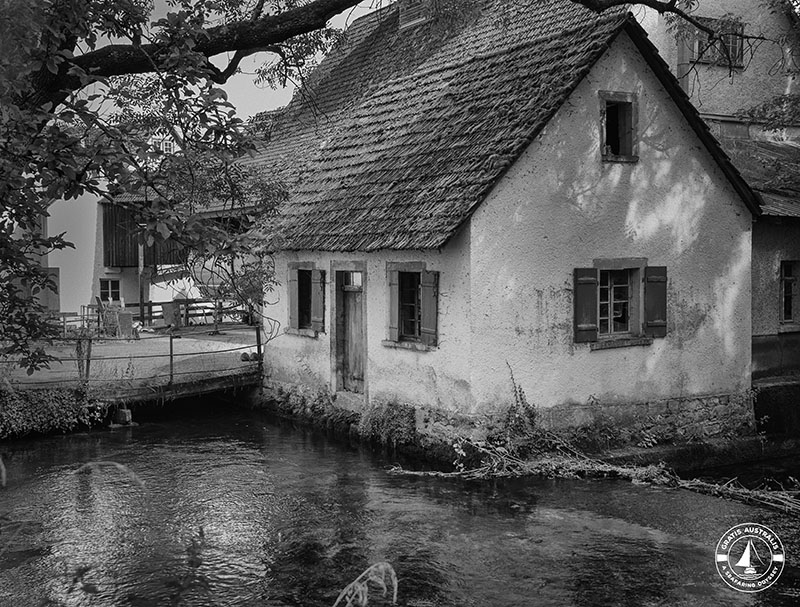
497,51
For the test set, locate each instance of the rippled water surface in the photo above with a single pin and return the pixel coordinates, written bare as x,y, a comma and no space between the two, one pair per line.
238,510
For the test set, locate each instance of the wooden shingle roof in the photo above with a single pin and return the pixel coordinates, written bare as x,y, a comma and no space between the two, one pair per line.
414,127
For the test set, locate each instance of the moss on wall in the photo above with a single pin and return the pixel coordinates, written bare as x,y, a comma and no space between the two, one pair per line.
52,410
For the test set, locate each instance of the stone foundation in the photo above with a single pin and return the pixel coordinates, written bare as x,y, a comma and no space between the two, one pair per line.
672,420
594,426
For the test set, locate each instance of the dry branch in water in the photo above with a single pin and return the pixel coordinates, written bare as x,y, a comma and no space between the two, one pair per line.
356,593
567,462
98,466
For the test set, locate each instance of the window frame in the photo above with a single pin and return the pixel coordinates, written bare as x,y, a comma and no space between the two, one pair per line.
426,336
316,305
647,303
110,290
713,54
629,132
794,293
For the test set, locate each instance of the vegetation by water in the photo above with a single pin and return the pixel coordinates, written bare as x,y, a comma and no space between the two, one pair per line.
25,412
520,446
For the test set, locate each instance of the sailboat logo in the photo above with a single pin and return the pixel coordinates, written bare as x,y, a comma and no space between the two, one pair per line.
750,557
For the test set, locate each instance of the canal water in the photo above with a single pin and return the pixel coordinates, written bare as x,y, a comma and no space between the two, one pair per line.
239,510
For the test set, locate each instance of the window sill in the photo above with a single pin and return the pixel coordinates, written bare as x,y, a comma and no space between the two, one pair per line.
623,342
622,159
407,345
302,332
788,327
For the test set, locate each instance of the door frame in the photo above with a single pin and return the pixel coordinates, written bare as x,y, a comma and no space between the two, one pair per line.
336,300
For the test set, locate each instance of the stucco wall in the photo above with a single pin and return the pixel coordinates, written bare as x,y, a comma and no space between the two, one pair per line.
78,219
560,207
776,346
439,378
713,89
773,241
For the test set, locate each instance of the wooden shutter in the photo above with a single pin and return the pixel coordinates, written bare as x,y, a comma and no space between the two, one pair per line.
294,316
318,300
429,302
394,306
655,301
585,295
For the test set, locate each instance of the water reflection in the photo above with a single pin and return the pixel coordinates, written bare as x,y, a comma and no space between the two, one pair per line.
236,510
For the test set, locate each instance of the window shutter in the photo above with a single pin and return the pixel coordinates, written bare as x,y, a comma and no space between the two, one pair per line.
655,301
429,302
585,295
318,300
394,306
294,320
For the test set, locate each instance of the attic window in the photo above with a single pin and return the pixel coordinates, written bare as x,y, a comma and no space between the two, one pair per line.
413,12
618,116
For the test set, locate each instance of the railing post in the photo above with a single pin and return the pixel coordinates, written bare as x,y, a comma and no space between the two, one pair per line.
258,349
171,359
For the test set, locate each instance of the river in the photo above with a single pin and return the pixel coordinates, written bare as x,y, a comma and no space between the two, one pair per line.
237,509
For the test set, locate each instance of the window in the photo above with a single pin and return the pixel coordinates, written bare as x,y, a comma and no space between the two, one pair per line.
790,306
168,146
306,299
615,302
303,299
620,299
413,305
618,117
109,290
727,49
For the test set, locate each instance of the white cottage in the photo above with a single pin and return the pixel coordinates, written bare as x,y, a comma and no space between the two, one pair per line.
526,189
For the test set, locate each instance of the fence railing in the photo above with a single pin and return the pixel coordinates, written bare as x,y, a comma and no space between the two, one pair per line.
153,359
115,321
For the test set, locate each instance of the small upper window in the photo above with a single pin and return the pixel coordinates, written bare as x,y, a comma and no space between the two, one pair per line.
619,139
726,48
168,146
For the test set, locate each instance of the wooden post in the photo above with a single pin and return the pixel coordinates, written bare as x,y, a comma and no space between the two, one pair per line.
141,279
258,349
88,356
171,359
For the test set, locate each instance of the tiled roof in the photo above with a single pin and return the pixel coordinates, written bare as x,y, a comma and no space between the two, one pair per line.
413,128
773,169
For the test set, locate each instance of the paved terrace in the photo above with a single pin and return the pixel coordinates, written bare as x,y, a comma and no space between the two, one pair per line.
155,366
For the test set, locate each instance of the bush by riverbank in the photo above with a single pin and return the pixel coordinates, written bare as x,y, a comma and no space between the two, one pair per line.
24,412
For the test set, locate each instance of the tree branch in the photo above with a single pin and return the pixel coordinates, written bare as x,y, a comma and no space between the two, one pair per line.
246,36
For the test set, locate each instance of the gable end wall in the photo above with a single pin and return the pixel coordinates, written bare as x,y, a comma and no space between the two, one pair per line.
560,207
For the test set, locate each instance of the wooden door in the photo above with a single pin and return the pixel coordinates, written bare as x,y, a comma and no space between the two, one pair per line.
350,348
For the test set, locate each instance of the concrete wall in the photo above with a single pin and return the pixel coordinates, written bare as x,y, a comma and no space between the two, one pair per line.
713,88
776,346
560,207
437,378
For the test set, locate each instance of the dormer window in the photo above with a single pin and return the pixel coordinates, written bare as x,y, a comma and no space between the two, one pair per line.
168,146
413,12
